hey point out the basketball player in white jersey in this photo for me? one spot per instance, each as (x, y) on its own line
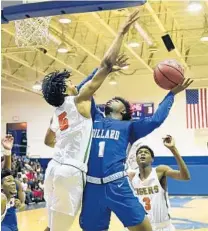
(150, 184)
(70, 134)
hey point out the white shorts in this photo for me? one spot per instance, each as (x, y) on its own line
(168, 227)
(63, 188)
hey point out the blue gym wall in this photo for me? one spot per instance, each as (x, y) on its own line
(198, 167)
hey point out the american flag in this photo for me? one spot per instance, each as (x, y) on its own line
(196, 108)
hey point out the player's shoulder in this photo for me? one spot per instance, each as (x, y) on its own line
(162, 168)
(68, 102)
(131, 173)
(69, 98)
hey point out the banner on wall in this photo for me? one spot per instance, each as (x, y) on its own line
(140, 110)
(19, 132)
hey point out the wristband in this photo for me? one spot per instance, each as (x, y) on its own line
(7, 152)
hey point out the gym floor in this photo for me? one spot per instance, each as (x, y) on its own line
(188, 213)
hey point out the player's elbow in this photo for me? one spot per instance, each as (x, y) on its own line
(48, 143)
(186, 177)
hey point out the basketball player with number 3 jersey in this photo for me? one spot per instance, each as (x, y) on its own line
(70, 134)
(150, 184)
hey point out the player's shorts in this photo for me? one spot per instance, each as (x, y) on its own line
(116, 196)
(166, 226)
(63, 188)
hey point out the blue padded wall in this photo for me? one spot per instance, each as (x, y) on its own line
(198, 167)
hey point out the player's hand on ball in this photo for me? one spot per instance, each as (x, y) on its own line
(181, 87)
(120, 63)
(7, 142)
(169, 142)
(131, 19)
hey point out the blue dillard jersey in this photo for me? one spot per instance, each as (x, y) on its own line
(112, 138)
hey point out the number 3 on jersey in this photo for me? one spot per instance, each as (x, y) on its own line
(63, 121)
(146, 200)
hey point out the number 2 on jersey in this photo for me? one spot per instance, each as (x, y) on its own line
(101, 148)
(146, 200)
(63, 121)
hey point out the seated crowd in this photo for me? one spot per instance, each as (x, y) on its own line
(31, 175)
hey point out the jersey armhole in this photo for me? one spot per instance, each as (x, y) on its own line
(86, 118)
(163, 178)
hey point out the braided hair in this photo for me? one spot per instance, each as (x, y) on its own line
(128, 114)
(54, 87)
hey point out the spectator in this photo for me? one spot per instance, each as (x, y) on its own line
(30, 176)
(37, 192)
(38, 168)
(19, 177)
(28, 193)
(41, 185)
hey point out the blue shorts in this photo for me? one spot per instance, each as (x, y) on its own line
(100, 200)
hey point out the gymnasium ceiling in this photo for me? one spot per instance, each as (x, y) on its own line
(89, 35)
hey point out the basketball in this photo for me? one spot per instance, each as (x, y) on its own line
(168, 74)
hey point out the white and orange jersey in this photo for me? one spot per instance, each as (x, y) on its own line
(152, 196)
(73, 134)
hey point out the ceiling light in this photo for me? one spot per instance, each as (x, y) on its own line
(153, 48)
(63, 48)
(204, 37)
(65, 20)
(112, 81)
(125, 67)
(194, 6)
(133, 44)
(37, 86)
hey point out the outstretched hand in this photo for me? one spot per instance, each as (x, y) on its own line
(181, 87)
(120, 63)
(7, 142)
(133, 17)
(169, 142)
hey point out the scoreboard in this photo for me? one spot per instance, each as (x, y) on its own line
(140, 110)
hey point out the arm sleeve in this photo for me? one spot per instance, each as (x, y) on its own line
(94, 109)
(143, 127)
(87, 79)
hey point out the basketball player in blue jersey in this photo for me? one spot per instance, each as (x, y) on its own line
(71, 129)
(150, 184)
(108, 187)
(9, 190)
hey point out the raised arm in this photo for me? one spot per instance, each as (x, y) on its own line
(87, 79)
(107, 62)
(50, 137)
(143, 127)
(164, 170)
(7, 142)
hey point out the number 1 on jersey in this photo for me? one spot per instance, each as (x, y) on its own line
(101, 149)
